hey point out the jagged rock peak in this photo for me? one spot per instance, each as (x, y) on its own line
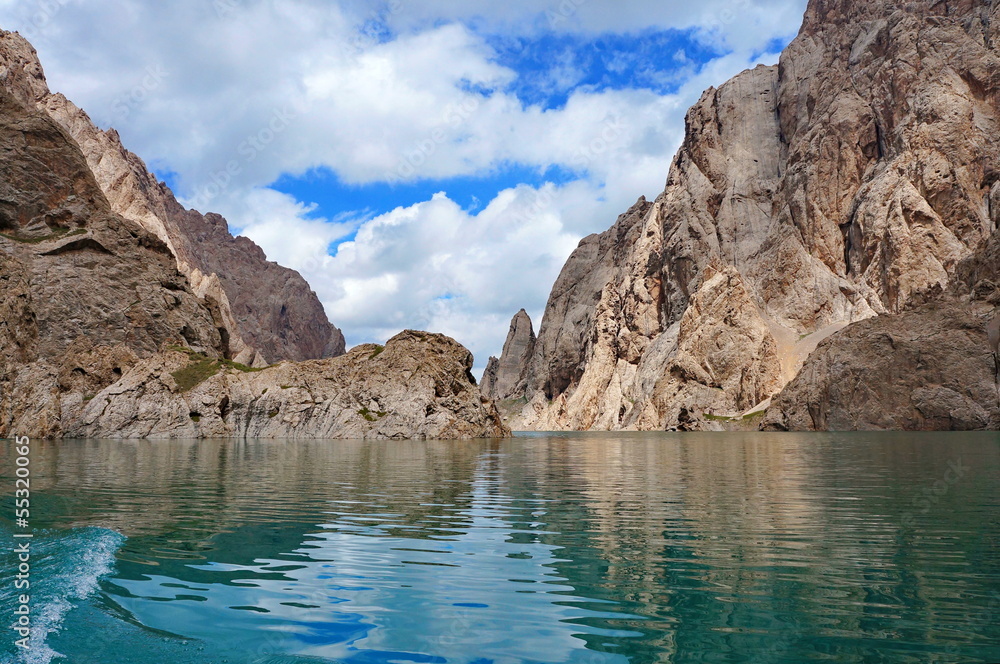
(268, 312)
(505, 377)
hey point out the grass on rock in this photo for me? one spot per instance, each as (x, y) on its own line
(201, 368)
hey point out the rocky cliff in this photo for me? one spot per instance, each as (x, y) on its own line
(834, 187)
(504, 377)
(102, 333)
(269, 313)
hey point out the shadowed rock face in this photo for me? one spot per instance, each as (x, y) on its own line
(930, 368)
(268, 312)
(83, 291)
(504, 378)
(837, 186)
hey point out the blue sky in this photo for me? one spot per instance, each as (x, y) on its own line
(549, 68)
(424, 165)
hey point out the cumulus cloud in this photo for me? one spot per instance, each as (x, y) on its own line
(434, 265)
(230, 95)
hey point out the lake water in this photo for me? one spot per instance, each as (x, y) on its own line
(584, 548)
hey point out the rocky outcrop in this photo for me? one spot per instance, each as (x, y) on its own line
(834, 187)
(929, 368)
(504, 378)
(83, 291)
(934, 366)
(268, 312)
(102, 335)
(418, 385)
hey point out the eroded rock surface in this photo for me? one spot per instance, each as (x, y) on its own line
(419, 385)
(838, 185)
(268, 312)
(83, 291)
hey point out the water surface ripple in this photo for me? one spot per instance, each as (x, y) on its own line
(583, 548)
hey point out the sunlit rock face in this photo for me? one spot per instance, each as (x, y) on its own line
(834, 187)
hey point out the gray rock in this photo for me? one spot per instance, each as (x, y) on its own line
(840, 185)
(505, 377)
(418, 386)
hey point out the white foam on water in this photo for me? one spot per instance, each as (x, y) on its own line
(78, 561)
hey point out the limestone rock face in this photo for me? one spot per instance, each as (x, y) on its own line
(269, 313)
(418, 386)
(839, 185)
(504, 378)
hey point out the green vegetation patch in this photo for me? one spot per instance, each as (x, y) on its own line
(370, 416)
(195, 373)
(241, 367)
(378, 351)
(202, 367)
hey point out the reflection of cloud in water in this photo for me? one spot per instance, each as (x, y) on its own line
(577, 548)
(359, 594)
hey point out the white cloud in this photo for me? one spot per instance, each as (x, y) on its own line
(436, 266)
(231, 94)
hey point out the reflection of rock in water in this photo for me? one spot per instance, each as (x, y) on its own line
(993, 335)
(681, 544)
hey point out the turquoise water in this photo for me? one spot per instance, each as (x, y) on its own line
(777, 548)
